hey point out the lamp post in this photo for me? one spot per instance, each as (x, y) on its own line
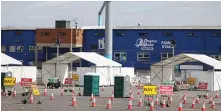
(72, 40)
(58, 42)
(173, 43)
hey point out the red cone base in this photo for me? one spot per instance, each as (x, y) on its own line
(129, 105)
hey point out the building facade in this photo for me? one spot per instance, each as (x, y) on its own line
(137, 47)
(140, 47)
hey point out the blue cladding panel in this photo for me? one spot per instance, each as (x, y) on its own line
(202, 41)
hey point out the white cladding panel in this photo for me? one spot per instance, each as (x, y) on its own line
(21, 72)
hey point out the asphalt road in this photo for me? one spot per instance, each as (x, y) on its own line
(63, 103)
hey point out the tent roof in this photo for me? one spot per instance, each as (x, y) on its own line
(181, 58)
(92, 57)
(7, 60)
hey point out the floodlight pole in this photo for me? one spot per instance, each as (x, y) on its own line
(173, 73)
(57, 63)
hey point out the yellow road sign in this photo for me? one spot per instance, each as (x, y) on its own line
(9, 81)
(36, 92)
(191, 81)
(150, 90)
(75, 77)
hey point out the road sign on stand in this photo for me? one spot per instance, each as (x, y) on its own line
(9, 81)
(166, 89)
(68, 81)
(150, 90)
(191, 81)
(203, 85)
(26, 82)
(75, 77)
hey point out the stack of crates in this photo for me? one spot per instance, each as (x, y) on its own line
(91, 84)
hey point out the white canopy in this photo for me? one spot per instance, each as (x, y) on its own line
(7, 60)
(181, 58)
(92, 57)
(162, 71)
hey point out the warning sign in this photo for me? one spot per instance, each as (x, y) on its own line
(150, 90)
(191, 81)
(202, 85)
(26, 82)
(75, 77)
(166, 89)
(68, 81)
(9, 81)
(35, 90)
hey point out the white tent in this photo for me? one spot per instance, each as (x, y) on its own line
(7, 60)
(102, 64)
(162, 71)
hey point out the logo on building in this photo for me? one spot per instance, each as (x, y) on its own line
(145, 44)
(101, 43)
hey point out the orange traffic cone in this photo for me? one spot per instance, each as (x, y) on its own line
(73, 97)
(184, 95)
(102, 89)
(73, 90)
(130, 105)
(138, 93)
(74, 102)
(79, 93)
(52, 96)
(164, 103)
(197, 100)
(92, 96)
(156, 101)
(151, 106)
(203, 106)
(170, 100)
(210, 100)
(184, 101)
(109, 104)
(62, 91)
(213, 105)
(207, 95)
(132, 97)
(112, 96)
(217, 94)
(193, 104)
(140, 102)
(180, 107)
(93, 102)
(14, 93)
(31, 99)
(45, 92)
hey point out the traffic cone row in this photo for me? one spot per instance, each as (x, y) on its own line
(207, 95)
(156, 101)
(14, 93)
(197, 100)
(112, 96)
(102, 89)
(151, 106)
(93, 102)
(210, 100)
(130, 105)
(184, 101)
(164, 103)
(74, 102)
(213, 105)
(193, 104)
(92, 96)
(180, 108)
(62, 91)
(131, 97)
(217, 94)
(203, 106)
(31, 100)
(138, 93)
(73, 90)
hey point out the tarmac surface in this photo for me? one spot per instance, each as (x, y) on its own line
(63, 103)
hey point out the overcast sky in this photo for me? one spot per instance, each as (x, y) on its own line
(43, 14)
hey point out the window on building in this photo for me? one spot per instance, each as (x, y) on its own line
(99, 34)
(143, 34)
(3, 49)
(143, 56)
(168, 34)
(164, 56)
(18, 33)
(101, 53)
(61, 34)
(191, 34)
(93, 46)
(20, 48)
(45, 33)
(120, 56)
(12, 48)
(120, 34)
(31, 48)
(217, 57)
(40, 48)
(218, 34)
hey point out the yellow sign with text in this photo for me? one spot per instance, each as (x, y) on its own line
(9, 81)
(150, 90)
(191, 81)
(75, 77)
